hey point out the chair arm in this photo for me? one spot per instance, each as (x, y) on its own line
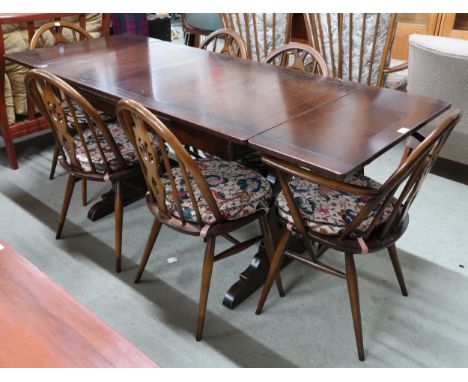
(396, 68)
(316, 178)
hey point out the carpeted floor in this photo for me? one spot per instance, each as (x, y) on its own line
(310, 327)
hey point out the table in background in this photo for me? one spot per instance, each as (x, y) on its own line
(43, 326)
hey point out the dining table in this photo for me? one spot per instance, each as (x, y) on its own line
(229, 107)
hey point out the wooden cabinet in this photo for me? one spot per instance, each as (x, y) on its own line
(412, 23)
(437, 24)
(454, 25)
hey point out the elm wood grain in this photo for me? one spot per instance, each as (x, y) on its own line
(223, 96)
(344, 135)
(43, 326)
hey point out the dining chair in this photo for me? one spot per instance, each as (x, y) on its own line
(261, 32)
(355, 217)
(206, 197)
(300, 57)
(58, 33)
(355, 46)
(225, 41)
(93, 151)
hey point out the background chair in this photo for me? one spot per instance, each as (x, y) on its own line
(357, 217)
(439, 68)
(196, 25)
(299, 57)
(225, 41)
(205, 197)
(355, 46)
(261, 32)
(94, 151)
(56, 33)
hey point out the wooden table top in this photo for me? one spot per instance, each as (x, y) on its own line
(348, 133)
(227, 97)
(43, 326)
(328, 125)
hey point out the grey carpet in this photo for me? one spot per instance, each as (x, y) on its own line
(310, 327)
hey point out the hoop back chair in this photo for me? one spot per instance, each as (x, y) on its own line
(51, 34)
(232, 43)
(261, 32)
(198, 197)
(300, 57)
(355, 46)
(357, 217)
(87, 151)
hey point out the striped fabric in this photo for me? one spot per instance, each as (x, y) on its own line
(130, 23)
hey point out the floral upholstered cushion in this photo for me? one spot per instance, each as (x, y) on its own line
(123, 143)
(81, 116)
(354, 34)
(237, 190)
(262, 33)
(328, 211)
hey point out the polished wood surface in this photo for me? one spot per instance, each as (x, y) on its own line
(350, 132)
(223, 96)
(43, 326)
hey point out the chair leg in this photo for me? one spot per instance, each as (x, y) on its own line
(274, 269)
(118, 211)
(66, 203)
(268, 243)
(205, 284)
(396, 266)
(54, 162)
(149, 247)
(84, 192)
(351, 279)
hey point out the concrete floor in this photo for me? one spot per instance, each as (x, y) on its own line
(310, 327)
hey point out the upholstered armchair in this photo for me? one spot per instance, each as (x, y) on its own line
(438, 67)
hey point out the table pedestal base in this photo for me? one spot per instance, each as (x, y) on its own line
(133, 190)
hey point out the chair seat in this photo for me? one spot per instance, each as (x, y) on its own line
(81, 116)
(238, 191)
(328, 211)
(123, 143)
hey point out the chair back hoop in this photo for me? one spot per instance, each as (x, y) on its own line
(55, 29)
(150, 137)
(60, 104)
(304, 58)
(355, 46)
(408, 178)
(262, 32)
(230, 44)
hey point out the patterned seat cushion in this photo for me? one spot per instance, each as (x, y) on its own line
(123, 143)
(328, 211)
(238, 191)
(81, 116)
